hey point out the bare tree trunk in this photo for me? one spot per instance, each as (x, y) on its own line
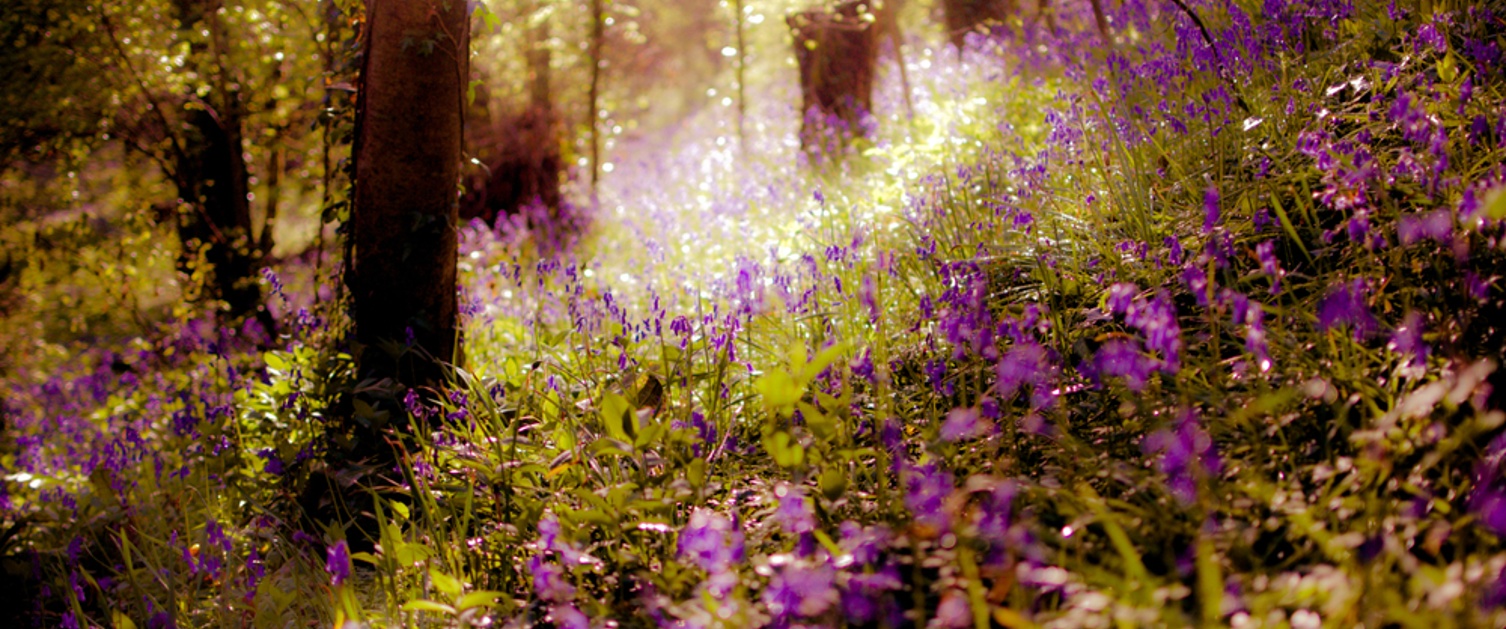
(540, 92)
(742, 78)
(407, 162)
(966, 16)
(837, 51)
(212, 178)
(598, 33)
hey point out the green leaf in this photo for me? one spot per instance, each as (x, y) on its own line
(823, 360)
(428, 606)
(445, 583)
(121, 621)
(779, 391)
(275, 363)
(616, 417)
(1494, 202)
(409, 554)
(366, 557)
(833, 482)
(783, 450)
(484, 598)
(696, 473)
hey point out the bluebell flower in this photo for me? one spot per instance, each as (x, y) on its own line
(926, 491)
(793, 513)
(549, 581)
(1437, 225)
(965, 423)
(800, 589)
(337, 563)
(1266, 252)
(713, 543)
(1211, 203)
(1186, 453)
(568, 616)
(1407, 340)
(866, 544)
(1345, 305)
(1123, 359)
(954, 612)
(868, 597)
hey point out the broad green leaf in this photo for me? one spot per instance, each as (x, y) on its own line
(484, 598)
(616, 417)
(445, 583)
(779, 391)
(428, 606)
(1494, 202)
(121, 621)
(409, 554)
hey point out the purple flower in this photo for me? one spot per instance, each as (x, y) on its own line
(551, 537)
(1407, 340)
(1478, 287)
(954, 611)
(793, 512)
(1210, 208)
(1157, 321)
(866, 544)
(337, 563)
(1269, 265)
(549, 580)
(1197, 283)
(1122, 358)
(992, 518)
(274, 462)
(568, 616)
(1437, 225)
(1488, 499)
(713, 542)
(936, 374)
(867, 597)
(1121, 297)
(801, 589)
(926, 491)
(1262, 218)
(1186, 453)
(1252, 315)
(1173, 250)
(862, 366)
(1428, 36)
(1345, 305)
(965, 423)
(868, 296)
(1020, 366)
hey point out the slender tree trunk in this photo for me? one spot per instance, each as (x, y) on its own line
(598, 33)
(212, 178)
(836, 49)
(742, 79)
(540, 92)
(407, 163)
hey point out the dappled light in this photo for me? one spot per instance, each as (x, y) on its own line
(752, 313)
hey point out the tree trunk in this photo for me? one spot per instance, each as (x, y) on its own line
(598, 35)
(837, 51)
(407, 162)
(212, 178)
(966, 16)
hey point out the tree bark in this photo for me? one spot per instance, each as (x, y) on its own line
(966, 16)
(407, 163)
(837, 51)
(212, 178)
(598, 35)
